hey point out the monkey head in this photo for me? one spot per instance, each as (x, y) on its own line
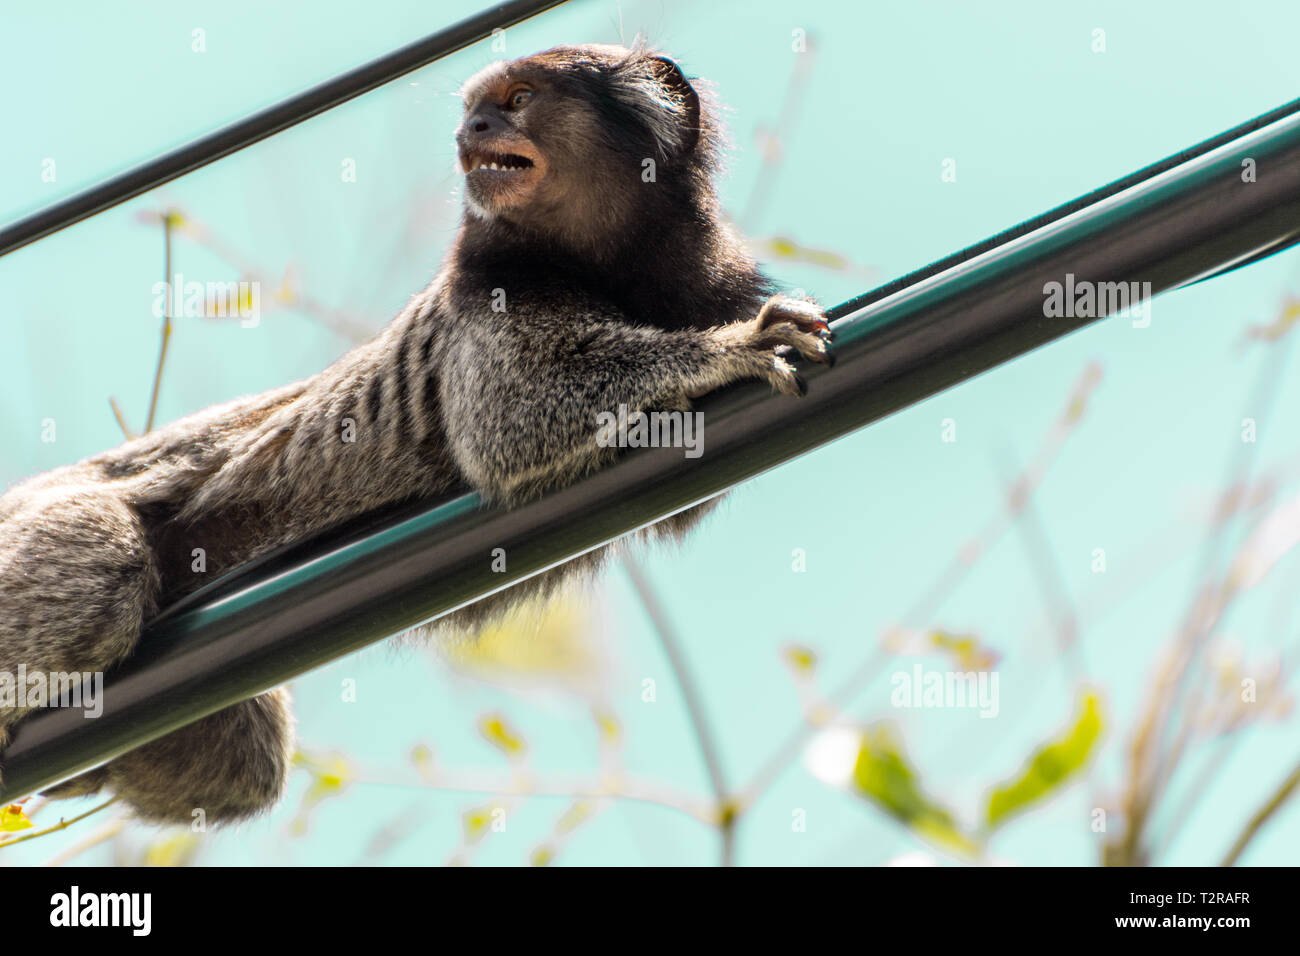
(576, 142)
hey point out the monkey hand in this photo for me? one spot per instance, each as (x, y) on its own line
(784, 326)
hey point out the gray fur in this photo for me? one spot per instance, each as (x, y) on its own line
(452, 395)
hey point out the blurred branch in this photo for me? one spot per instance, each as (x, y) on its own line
(105, 833)
(727, 815)
(1197, 789)
(1262, 815)
(1152, 763)
(340, 323)
(573, 789)
(773, 150)
(168, 218)
(924, 609)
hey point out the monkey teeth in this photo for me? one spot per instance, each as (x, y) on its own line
(500, 164)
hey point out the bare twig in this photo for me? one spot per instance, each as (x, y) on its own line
(169, 216)
(102, 835)
(1198, 787)
(577, 789)
(932, 599)
(1047, 567)
(121, 418)
(727, 815)
(1164, 730)
(335, 320)
(61, 825)
(1262, 815)
(773, 149)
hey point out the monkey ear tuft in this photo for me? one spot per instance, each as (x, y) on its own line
(655, 89)
(673, 79)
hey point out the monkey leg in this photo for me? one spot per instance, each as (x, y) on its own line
(228, 766)
(77, 581)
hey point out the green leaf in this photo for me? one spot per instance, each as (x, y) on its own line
(1050, 767)
(882, 774)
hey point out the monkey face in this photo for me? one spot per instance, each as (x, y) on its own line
(503, 167)
(559, 142)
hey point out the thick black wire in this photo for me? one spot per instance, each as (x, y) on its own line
(1074, 205)
(267, 122)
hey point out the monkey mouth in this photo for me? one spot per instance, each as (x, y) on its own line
(482, 161)
(500, 179)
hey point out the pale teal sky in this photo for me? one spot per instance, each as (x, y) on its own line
(1032, 116)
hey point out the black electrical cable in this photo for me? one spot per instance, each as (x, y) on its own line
(1074, 205)
(258, 126)
(893, 347)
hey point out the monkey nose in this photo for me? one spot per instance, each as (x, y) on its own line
(484, 123)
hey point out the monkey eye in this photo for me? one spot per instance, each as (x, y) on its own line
(519, 97)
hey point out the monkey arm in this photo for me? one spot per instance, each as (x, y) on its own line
(530, 418)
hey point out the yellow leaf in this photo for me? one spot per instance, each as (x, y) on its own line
(245, 298)
(12, 819)
(801, 659)
(542, 856)
(965, 649)
(1282, 324)
(330, 775)
(287, 293)
(782, 247)
(1048, 769)
(476, 823)
(177, 850)
(611, 731)
(422, 759)
(498, 733)
(573, 817)
(537, 641)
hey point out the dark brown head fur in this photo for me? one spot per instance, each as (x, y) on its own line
(612, 153)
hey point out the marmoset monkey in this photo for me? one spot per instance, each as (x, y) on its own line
(620, 287)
